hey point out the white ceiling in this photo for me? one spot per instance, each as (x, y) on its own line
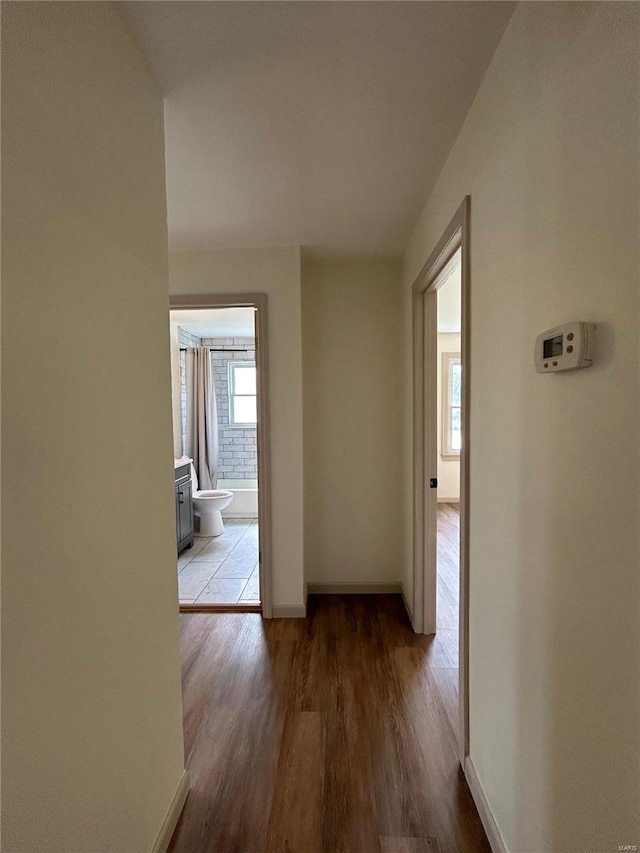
(216, 322)
(321, 124)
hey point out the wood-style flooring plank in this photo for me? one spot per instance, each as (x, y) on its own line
(329, 734)
(453, 819)
(408, 845)
(298, 800)
(446, 680)
(233, 757)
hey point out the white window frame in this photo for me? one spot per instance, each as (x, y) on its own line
(449, 359)
(231, 365)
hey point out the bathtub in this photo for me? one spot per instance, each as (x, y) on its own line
(245, 498)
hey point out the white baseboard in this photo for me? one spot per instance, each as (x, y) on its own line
(171, 818)
(288, 611)
(353, 588)
(490, 827)
(455, 500)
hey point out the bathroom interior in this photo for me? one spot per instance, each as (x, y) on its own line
(213, 371)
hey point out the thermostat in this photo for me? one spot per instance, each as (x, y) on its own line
(566, 347)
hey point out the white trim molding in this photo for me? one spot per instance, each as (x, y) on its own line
(456, 238)
(172, 816)
(496, 840)
(347, 588)
(259, 302)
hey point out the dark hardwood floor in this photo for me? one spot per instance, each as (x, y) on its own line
(329, 733)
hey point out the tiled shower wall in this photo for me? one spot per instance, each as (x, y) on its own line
(186, 340)
(237, 457)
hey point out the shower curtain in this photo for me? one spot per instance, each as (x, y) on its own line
(202, 417)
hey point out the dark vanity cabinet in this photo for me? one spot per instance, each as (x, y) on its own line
(184, 507)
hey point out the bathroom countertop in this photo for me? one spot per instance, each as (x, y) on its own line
(185, 460)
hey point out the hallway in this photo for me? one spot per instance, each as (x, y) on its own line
(329, 733)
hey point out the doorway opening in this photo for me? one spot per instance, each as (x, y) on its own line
(449, 443)
(441, 356)
(218, 366)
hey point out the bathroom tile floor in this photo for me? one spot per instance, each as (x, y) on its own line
(222, 570)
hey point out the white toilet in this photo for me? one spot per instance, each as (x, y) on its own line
(207, 506)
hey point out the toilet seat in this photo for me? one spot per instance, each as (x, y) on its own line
(212, 494)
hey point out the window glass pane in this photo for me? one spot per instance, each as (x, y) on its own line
(456, 384)
(244, 380)
(456, 428)
(244, 410)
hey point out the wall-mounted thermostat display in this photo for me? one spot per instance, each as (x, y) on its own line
(565, 348)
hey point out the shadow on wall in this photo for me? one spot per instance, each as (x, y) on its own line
(578, 581)
(585, 685)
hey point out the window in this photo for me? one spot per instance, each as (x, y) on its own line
(242, 393)
(451, 404)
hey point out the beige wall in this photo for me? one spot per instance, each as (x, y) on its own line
(351, 333)
(276, 272)
(92, 728)
(448, 469)
(549, 155)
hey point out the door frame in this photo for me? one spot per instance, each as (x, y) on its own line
(425, 382)
(258, 301)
